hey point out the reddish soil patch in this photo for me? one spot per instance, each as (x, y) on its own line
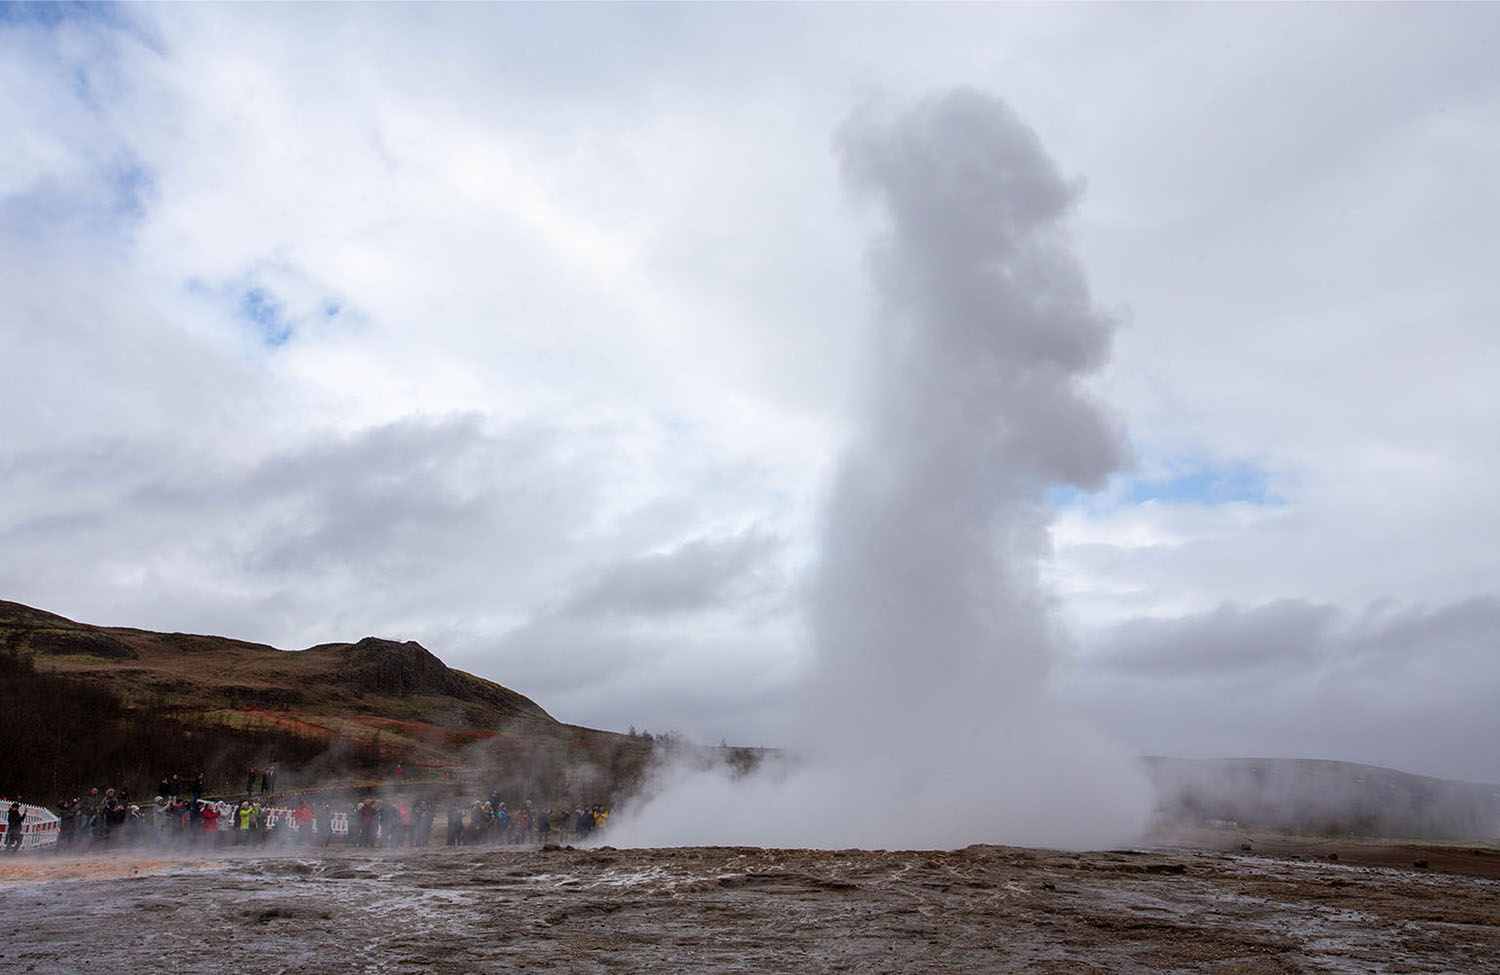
(287, 721)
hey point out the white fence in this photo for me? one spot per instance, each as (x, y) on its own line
(278, 816)
(38, 831)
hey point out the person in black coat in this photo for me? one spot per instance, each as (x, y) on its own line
(13, 821)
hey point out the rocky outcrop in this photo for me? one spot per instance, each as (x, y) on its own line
(408, 669)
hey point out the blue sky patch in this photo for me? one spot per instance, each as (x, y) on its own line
(262, 309)
(268, 315)
(133, 187)
(1212, 484)
(52, 14)
(1206, 484)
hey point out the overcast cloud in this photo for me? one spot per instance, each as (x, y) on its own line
(531, 333)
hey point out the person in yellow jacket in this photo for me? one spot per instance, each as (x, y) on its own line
(244, 821)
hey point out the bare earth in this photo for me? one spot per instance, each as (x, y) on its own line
(982, 909)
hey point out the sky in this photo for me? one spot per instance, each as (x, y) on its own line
(536, 334)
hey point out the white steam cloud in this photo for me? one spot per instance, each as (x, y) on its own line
(927, 719)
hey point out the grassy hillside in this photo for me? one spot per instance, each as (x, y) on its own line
(88, 705)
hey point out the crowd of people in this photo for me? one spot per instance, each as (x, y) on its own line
(490, 821)
(175, 818)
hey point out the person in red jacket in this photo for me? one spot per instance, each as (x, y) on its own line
(403, 832)
(303, 817)
(210, 822)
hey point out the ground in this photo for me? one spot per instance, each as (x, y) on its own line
(981, 909)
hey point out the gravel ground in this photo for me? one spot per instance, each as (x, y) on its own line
(981, 909)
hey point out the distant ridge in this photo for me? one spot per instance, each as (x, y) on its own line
(1318, 797)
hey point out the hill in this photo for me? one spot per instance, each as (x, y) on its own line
(1313, 797)
(90, 705)
(371, 676)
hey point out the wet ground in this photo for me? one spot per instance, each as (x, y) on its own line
(982, 909)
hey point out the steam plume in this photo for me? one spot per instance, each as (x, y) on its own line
(927, 719)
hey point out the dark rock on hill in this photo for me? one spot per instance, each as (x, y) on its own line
(377, 666)
(387, 667)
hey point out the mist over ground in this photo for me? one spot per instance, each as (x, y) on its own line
(927, 720)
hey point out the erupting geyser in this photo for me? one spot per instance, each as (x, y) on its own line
(927, 720)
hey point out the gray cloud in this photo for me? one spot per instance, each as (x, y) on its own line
(728, 678)
(370, 526)
(637, 641)
(700, 574)
(1277, 635)
(1403, 687)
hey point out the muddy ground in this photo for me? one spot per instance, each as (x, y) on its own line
(982, 909)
